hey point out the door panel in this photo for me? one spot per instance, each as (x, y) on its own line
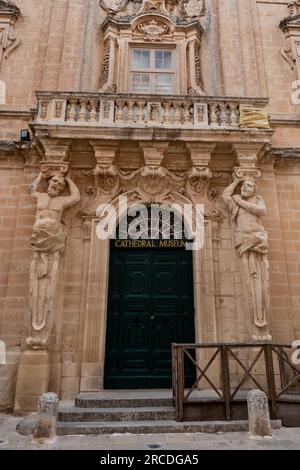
(151, 305)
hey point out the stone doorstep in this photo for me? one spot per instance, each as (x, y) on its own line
(115, 414)
(154, 427)
(27, 425)
(96, 402)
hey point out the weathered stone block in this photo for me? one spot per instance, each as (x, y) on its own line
(259, 417)
(46, 417)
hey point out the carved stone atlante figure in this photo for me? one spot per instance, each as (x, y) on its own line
(48, 241)
(251, 241)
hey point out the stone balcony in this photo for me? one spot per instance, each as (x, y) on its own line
(139, 116)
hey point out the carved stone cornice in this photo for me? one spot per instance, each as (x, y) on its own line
(285, 157)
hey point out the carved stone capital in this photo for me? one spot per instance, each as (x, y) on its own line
(106, 171)
(54, 168)
(247, 157)
(104, 153)
(56, 150)
(200, 153)
(199, 175)
(153, 156)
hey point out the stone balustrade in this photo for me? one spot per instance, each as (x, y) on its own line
(123, 110)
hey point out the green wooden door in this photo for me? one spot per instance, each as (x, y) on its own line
(151, 305)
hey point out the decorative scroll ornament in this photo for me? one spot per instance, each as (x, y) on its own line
(198, 179)
(193, 8)
(113, 6)
(8, 41)
(106, 178)
(105, 66)
(153, 30)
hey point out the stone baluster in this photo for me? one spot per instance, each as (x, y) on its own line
(141, 112)
(167, 113)
(234, 115)
(213, 108)
(93, 113)
(120, 111)
(177, 113)
(130, 114)
(82, 112)
(224, 115)
(72, 110)
(186, 113)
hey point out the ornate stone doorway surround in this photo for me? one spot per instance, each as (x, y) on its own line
(97, 276)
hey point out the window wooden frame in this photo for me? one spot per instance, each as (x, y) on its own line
(152, 70)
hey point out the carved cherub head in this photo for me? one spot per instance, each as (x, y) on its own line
(248, 189)
(56, 186)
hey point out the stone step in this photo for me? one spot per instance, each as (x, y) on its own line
(153, 427)
(75, 414)
(89, 400)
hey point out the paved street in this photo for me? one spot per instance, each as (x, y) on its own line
(284, 439)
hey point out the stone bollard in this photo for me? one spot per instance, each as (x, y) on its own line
(259, 416)
(46, 416)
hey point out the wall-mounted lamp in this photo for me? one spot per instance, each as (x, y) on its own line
(25, 135)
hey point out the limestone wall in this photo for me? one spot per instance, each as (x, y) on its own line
(61, 49)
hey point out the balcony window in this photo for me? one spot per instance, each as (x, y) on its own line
(152, 71)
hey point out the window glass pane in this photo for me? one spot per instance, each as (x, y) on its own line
(163, 59)
(141, 59)
(163, 83)
(141, 82)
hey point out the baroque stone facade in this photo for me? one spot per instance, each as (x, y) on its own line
(162, 101)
